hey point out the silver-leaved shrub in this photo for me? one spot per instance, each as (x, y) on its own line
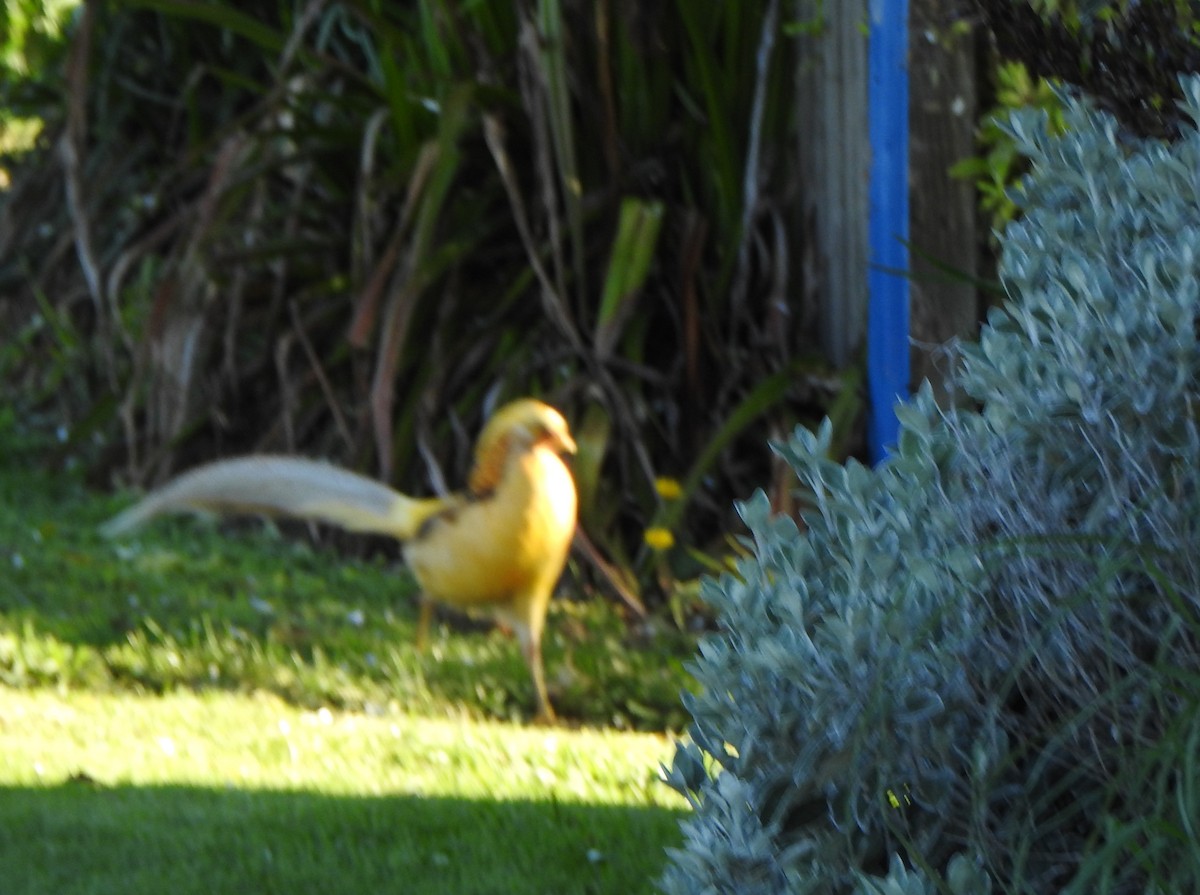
(976, 668)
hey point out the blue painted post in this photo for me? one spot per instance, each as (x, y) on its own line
(887, 308)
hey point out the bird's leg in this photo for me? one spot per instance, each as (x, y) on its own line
(424, 618)
(531, 648)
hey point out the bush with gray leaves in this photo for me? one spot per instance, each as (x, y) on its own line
(976, 668)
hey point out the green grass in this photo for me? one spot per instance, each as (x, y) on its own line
(221, 708)
(220, 792)
(195, 604)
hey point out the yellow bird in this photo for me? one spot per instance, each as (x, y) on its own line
(499, 545)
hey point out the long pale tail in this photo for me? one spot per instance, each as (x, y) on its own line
(286, 486)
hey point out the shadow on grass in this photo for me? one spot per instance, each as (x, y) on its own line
(81, 837)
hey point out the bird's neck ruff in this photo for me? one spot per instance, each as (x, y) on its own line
(497, 458)
(488, 470)
(518, 429)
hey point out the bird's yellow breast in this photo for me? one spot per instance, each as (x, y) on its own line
(508, 545)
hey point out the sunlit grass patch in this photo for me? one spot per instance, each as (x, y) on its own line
(225, 792)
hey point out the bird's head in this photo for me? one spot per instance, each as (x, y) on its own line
(520, 425)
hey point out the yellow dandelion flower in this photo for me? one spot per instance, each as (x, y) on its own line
(668, 488)
(659, 538)
(897, 799)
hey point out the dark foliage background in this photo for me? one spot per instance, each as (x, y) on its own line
(351, 228)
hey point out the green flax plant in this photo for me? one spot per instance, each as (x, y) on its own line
(350, 228)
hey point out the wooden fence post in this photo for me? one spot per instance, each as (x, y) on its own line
(943, 72)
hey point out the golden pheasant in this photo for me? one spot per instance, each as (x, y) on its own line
(499, 545)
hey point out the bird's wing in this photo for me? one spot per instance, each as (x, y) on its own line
(286, 486)
(509, 545)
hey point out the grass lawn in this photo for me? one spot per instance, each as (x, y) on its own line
(219, 792)
(213, 708)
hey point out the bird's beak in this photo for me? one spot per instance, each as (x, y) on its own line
(565, 444)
